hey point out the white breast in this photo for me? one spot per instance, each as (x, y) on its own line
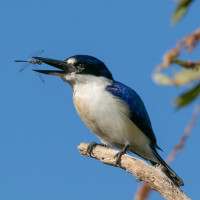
(107, 116)
(94, 105)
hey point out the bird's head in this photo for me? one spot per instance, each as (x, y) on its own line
(76, 67)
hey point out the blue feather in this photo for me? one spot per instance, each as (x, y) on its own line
(138, 115)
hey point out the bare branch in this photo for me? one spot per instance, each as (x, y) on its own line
(141, 170)
(144, 190)
(185, 135)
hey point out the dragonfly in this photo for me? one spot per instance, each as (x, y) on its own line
(32, 61)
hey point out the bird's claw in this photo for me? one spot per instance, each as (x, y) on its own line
(120, 154)
(118, 158)
(92, 145)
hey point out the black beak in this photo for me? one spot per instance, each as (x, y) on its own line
(62, 65)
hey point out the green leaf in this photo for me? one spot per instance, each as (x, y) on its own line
(180, 11)
(187, 97)
(187, 64)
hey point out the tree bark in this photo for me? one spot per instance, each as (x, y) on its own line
(154, 176)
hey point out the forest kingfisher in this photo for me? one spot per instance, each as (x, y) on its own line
(112, 111)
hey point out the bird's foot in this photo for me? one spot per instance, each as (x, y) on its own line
(92, 145)
(120, 154)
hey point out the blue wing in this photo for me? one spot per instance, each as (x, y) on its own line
(139, 115)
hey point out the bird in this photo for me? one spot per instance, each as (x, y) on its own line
(114, 112)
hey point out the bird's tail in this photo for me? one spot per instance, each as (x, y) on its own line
(168, 171)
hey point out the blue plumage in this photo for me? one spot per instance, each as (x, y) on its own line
(138, 113)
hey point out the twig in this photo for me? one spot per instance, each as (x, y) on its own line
(188, 43)
(144, 190)
(140, 169)
(185, 135)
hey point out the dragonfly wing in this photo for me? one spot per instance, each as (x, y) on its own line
(24, 66)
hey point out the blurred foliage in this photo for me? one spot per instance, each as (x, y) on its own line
(187, 97)
(187, 64)
(181, 10)
(180, 78)
(189, 72)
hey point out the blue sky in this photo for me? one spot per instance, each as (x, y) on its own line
(40, 130)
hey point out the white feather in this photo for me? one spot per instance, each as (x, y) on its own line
(71, 61)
